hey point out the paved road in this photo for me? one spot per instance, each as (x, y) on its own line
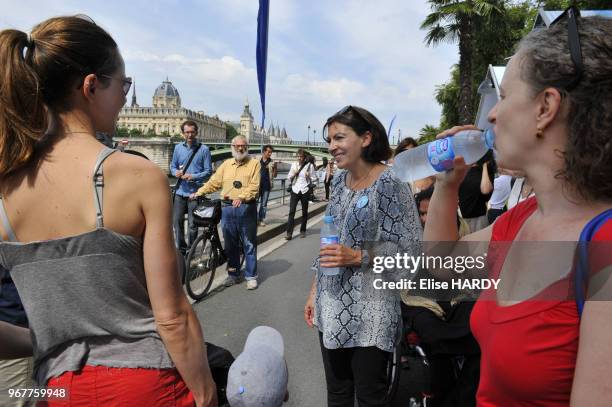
(285, 277)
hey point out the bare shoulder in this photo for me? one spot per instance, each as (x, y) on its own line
(135, 171)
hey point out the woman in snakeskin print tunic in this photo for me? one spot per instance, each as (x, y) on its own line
(375, 215)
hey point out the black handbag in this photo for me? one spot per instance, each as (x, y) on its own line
(207, 212)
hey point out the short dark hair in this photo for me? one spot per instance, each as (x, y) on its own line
(408, 141)
(424, 195)
(362, 121)
(189, 123)
(267, 146)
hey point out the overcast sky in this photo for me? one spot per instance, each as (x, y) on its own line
(322, 55)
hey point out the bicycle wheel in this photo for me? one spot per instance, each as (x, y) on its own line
(201, 265)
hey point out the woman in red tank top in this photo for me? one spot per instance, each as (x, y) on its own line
(553, 123)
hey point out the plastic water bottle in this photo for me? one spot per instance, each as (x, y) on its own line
(437, 156)
(329, 235)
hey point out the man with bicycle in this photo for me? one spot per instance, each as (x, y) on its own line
(238, 179)
(191, 165)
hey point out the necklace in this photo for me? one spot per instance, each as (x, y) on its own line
(358, 184)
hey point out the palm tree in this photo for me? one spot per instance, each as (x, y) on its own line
(452, 21)
(428, 133)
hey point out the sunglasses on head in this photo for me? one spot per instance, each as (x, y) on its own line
(572, 13)
(352, 108)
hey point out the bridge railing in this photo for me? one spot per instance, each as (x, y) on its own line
(276, 193)
(285, 142)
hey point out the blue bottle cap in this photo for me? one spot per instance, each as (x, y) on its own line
(328, 219)
(490, 138)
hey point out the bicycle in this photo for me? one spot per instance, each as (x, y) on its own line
(206, 252)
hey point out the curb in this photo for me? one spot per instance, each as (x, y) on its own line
(274, 231)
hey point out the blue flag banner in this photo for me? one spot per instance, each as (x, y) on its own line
(391, 126)
(262, 53)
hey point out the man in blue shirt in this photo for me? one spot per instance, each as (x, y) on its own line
(190, 178)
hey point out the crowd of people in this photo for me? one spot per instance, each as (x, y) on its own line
(91, 298)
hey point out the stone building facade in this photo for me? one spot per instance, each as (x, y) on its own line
(167, 114)
(256, 134)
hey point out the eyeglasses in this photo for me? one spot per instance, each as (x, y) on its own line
(127, 82)
(572, 14)
(240, 145)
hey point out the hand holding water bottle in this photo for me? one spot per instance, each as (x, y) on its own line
(439, 155)
(455, 176)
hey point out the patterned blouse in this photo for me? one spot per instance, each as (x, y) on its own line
(382, 218)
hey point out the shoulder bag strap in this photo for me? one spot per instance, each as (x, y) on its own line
(297, 174)
(581, 275)
(180, 180)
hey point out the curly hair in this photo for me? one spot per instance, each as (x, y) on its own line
(547, 63)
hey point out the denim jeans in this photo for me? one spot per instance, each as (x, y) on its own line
(241, 223)
(263, 204)
(181, 205)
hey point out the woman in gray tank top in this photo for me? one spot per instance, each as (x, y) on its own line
(87, 235)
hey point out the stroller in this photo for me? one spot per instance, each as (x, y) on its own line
(440, 364)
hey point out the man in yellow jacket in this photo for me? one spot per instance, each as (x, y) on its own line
(238, 180)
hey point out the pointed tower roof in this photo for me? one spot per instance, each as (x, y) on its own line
(134, 103)
(247, 111)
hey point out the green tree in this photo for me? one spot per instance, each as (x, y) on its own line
(494, 40)
(582, 4)
(428, 133)
(150, 132)
(135, 133)
(122, 132)
(230, 131)
(454, 21)
(447, 96)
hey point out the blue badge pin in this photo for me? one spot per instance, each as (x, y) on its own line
(362, 202)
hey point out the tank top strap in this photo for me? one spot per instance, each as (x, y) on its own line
(98, 178)
(5, 222)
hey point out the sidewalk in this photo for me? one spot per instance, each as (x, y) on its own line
(276, 218)
(276, 224)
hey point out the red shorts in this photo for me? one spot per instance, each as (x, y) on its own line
(111, 386)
